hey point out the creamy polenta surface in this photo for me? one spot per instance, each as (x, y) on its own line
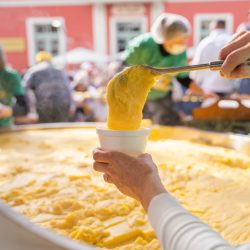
(47, 176)
(126, 95)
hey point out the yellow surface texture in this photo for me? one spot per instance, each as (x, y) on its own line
(126, 95)
(48, 177)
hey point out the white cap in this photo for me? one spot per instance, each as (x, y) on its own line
(169, 26)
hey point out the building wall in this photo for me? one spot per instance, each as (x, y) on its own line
(237, 8)
(88, 25)
(78, 27)
(146, 14)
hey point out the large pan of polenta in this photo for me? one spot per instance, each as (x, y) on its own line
(51, 198)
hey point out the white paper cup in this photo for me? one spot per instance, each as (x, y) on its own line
(131, 142)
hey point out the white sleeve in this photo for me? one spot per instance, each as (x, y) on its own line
(197, 59)
(177, 229)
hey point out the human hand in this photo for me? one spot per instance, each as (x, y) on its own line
(136, 177)
(208, 95)
(196, 90)
(30, 118)
(5, 111)
(234, 55)
(163, 83)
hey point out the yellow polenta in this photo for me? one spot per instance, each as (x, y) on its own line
(126, 96)
(48, 177)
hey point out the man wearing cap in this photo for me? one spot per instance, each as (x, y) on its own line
(164, 46)
(48, 90)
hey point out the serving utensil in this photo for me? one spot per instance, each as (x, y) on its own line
(213, 66)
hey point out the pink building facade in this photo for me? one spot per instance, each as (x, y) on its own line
(104, 26)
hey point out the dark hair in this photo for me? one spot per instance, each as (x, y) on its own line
(220, 24)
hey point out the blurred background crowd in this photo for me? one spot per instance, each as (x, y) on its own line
(51, 90)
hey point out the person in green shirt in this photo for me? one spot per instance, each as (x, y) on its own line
(12, 95)
(164, 46)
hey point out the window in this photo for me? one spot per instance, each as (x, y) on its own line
(122, 31)
(203, 21)
(45, 34)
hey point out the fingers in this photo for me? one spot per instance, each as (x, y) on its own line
(102, 155)
(237, 35)
(234, 59)
(107, 178)
(105, 156)
(100, 167)
(145, 156)
(240, 41)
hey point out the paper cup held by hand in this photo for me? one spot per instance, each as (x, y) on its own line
(132, 142)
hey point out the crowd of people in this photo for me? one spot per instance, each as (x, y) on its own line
(46, 94)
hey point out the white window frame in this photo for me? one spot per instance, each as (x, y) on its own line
(198, 18)
(99, 15)
(115, 19)
(30, 22)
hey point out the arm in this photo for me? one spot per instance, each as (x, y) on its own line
(20, 107)
(31, 116)
(5, 111)
(185, 80)
(193, 88)
(24, 112)
(176, 228)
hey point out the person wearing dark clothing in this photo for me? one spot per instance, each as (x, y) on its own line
(49, 92)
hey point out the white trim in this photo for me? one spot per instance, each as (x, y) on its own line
(24, 3)
(30, 39)
(100, 28)
(136, 9)
(30, 35)
(28, 3)
(228, 17)
(115, 19)
(157, 8)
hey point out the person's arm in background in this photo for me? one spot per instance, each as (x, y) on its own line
(5, 111)
(235, 54)
(31, 115)
(176, 228)
(20, 107)
(186, 81)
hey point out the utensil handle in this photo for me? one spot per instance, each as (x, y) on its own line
(216, 65)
